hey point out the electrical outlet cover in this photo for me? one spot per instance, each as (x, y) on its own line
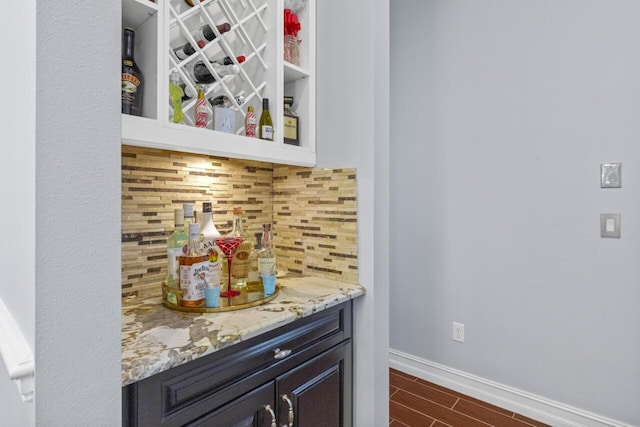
(458, 332)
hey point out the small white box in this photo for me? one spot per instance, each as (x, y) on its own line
(224, 119)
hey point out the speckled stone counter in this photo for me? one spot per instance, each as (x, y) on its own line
(156, 338)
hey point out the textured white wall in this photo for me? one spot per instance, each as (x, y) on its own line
(17, 187)
(353, 131)
(78, 214)
(502, 113)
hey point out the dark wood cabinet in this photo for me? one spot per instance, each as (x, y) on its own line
(302, 371)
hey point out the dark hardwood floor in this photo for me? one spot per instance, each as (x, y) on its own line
(415, 402)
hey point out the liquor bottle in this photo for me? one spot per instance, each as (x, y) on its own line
(253, 275)
(209, 233)
(177, 94)
(200, 110)
(194, 271)
(290, 123)
(204, 33)
(132, 80)
(250, 122)
(177, 245)
(266, 124)
(188, 216)
(240, 262)
(267, 256)
(201, 73)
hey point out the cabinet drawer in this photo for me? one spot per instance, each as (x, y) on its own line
(198, 387)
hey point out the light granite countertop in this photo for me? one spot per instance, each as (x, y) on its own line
(156, 338)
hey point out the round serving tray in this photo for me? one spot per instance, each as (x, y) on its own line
(250, 296)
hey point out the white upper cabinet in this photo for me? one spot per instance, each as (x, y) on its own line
(248, 35)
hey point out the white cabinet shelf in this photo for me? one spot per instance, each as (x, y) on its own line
(256, 33)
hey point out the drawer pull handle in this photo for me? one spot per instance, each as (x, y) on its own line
(280, 354)
(273, 415)
(291, 416)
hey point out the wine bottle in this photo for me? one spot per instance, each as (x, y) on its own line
(132, 79)
(204, 33)
(201, 73)
(194, 271)
(266, 124)
(201, 113)
(250, 122)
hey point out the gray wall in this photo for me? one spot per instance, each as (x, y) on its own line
(78, 326)
(17, 165)
(502, 112)
(353, 131)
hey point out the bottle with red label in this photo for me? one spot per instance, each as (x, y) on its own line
(250, 122)
(201, 111)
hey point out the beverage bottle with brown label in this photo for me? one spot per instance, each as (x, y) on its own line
(131, 77)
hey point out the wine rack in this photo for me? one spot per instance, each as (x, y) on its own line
(255, 33)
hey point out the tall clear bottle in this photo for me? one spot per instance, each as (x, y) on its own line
(267, 256)
(194, 271)
(253, 275)
(177, 245)
(240, 263)
(188, 216)
(209, 233)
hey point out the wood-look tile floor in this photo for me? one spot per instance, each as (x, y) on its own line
(415, 402)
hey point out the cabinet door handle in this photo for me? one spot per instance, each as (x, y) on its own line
(280, 354)
(291, 415)
(273, 415)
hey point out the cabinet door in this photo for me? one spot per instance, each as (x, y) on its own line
(318, 392)
(246, 411)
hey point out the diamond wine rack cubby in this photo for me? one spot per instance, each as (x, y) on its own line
(249, 35)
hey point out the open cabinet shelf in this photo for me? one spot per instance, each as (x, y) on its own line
(255, 32)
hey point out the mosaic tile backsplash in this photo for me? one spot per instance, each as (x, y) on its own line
(313, 211)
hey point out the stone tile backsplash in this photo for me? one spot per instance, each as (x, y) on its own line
(313, 211)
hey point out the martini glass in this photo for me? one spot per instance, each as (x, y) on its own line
(228, 245)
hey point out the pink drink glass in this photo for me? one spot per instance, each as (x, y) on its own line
(228, 245)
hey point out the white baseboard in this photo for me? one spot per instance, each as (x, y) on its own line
(16, 354)
(521, 402)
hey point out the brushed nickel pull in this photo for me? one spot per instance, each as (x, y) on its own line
(273, 415)
(280, 354)
(291, 415)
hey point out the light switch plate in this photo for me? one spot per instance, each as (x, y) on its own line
(611, 175)
(610, 225)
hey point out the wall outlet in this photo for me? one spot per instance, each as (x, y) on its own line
(458, 332)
